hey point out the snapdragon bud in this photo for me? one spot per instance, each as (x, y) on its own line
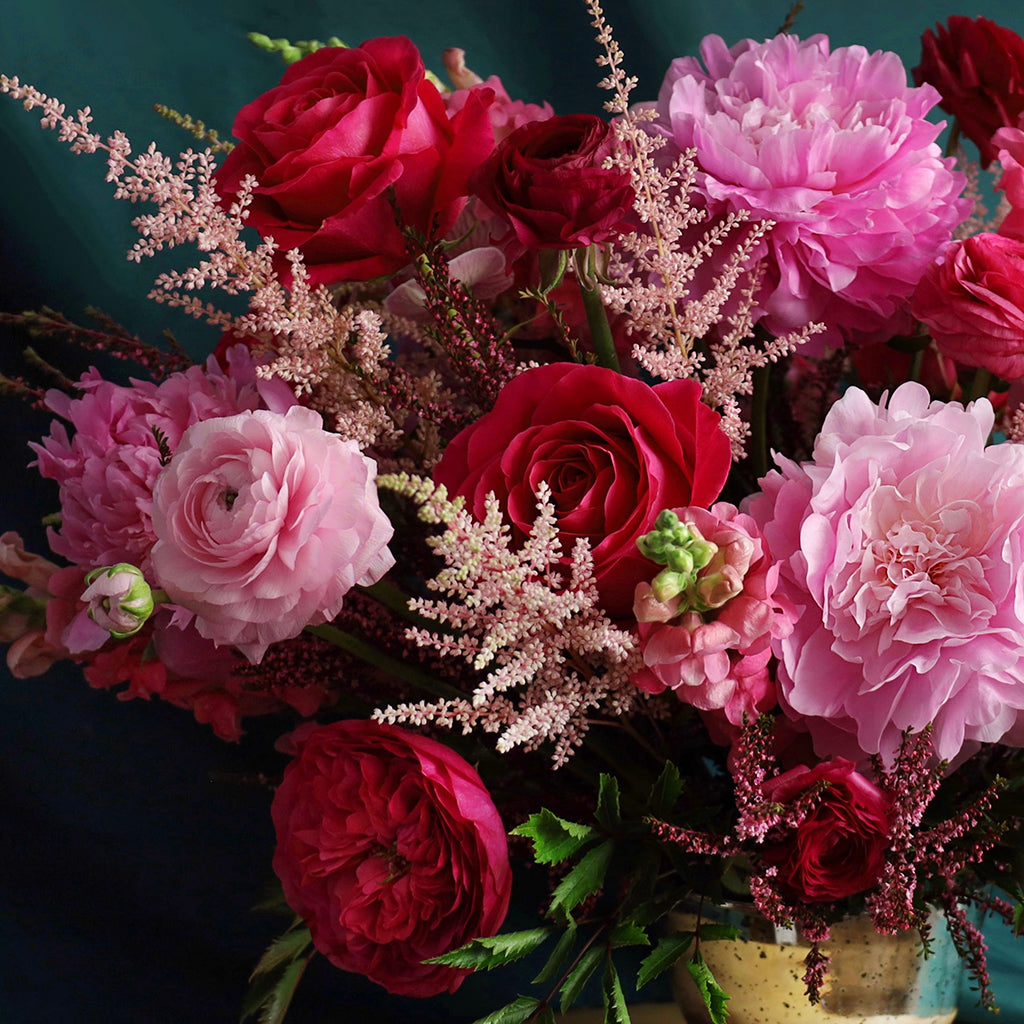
(119, 599)
(684, 552)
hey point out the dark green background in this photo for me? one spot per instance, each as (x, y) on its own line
(125, 872)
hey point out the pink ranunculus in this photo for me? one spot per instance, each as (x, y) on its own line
(901, 545)
(839, 849)
(349, 137)
(122, 434)
(972, 302)
(1009, 143)
(391, 849)
(613, 450)
(263, 523)
(711, 645)
(834, 148)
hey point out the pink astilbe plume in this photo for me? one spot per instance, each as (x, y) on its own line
(529, 625)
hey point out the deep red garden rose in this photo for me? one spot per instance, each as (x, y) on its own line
(978, 67)
(839, 848)
(972, 302)
(546, 180)
(390, 848)
(613, 450)
(345, 130)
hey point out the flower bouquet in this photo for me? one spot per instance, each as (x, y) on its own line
(637, 497)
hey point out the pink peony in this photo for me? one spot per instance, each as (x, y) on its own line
(264, 522)
(901, 544)
(709, 642)
(972, 302)
(106, 470)
(834, 148)
(391, 849)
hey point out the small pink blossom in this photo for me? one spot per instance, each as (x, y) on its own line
(901, 544)
(833, 147)
(263, 523)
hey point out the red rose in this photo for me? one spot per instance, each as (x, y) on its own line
(972, 303)
(344, 131)
(978, 68)
(839, 848)
(390, 848)
(613, 450)
(546, 180)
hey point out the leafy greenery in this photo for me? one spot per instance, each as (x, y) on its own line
(275, 978)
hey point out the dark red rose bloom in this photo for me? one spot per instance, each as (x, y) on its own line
(978, 68)
(546, 181)
(613, 450)
(972, 303)
(345, 129)
(390, 848)
(839, 848)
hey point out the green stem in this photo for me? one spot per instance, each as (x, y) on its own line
(600, 329)
(378, 659)
(980, 386)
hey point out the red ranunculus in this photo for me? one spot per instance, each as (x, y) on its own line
(972, 303)
(613, 450)
(546, 180)
(839, 848)
(345, 131)
(390, 848)
(978, 67)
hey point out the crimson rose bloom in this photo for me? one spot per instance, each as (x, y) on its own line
(613, 450)
(972, 302)
(547, 181)
(839, 848)
(344, 131)
(978, 67)
(390, 848)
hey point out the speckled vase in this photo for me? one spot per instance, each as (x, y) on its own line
(872, 979)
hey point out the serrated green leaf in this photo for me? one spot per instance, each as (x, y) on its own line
(608, 815)
(711, 930)
(628, 933)
(664, 955)
(513, 1013)
(271, 994)
(615, 1009)
(585, 878)
(554, 838)
(493, 951)
(559, 956)
(666, 791)
(580, 975)
(282, 950)
(714, 997)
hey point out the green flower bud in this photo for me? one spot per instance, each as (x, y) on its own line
(119, 599)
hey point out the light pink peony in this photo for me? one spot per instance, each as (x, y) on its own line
(710, 644)
(264, 522)
(106, 470)
(835, 149)
(901, 544)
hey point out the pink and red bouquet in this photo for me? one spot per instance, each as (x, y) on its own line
(476, 496)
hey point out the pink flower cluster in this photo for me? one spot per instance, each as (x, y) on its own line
(901, 545)
(833, 147)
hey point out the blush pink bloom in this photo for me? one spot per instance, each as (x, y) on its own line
(716, 658)
(263, 523)
(1010, 147)
(834, 148)
(972, 302)
(107, 468)
(901, 544)
(391, 849)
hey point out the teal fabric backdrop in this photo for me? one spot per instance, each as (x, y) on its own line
(128, 861)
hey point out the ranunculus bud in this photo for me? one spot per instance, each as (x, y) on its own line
(118, 598)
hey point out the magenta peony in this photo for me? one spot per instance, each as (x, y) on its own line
(710, 642)
(391, 849)
(972, 302)
(839, 848)
(106, 470)
(263, 523)
(901, 544)
(834, 148)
